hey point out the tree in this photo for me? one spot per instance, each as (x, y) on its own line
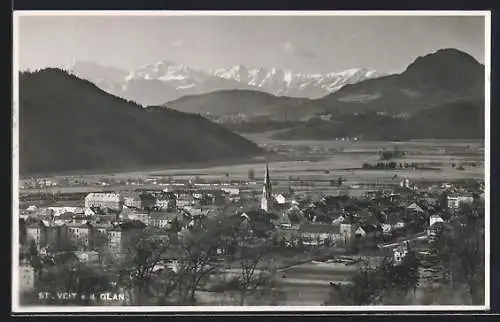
(256, 272)
(142, 267)
(196, 254)
(460, 249)
(382, 285)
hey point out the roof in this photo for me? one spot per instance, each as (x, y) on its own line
(77, 225)
(415, 207)
(368, 228)
(372, 220)
(163, 215)
(319, 228)
(67, 215)
(48, 223)
(101, 225)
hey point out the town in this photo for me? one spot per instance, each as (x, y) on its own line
(247, 242)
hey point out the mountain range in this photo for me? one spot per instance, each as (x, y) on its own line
(439, 95)
(67, 124)
(442, 77)
(165, 81)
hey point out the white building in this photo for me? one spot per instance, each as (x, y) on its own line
(435, 219)
(57, 211)
(455, 201)
(104, 200)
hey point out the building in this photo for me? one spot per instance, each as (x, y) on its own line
(400, 252)
(34, 233)
(366, 231)
(319, 234)
(133, 201)
(26, 278)
(435, 219)
(266, 199)
(122, 236)
(99, 234)
(415, 208)
(52, 232)
(78, 235)
(162, 220)
(57, 211)
(165, 204)
(454, 201)
(134, 214)
(104, 200)
(280, 199)
(347, 230)
(87, 256)
(231, 191)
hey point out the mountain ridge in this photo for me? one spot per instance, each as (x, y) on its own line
(164, 81)
(67, 123)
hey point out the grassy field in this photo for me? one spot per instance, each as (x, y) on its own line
(312, 165)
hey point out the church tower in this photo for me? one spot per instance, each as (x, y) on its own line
(265, 201)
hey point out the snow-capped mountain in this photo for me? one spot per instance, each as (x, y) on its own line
(288, 83)
(165, 81)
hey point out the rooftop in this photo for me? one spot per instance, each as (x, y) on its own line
(319, 228)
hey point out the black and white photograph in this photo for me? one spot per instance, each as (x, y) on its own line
(177, 161)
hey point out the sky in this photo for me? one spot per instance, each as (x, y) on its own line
(298, 43)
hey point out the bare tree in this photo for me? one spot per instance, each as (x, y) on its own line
(197, 258)
(143, 266)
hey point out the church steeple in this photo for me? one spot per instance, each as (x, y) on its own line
(266, 191)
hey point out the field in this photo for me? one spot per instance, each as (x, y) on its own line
(312, 165)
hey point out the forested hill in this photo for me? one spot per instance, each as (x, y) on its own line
(67, 123)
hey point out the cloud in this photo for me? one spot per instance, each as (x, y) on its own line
(295, 50)
(178, 43)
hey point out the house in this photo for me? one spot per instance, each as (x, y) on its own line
(57, 211)
(134, 214)
(162, 220)
(366, 231)
(87, 256)
(132, 200)
(34, 233)
(70, 217)
(287, 235)
(455, 200)
(284, 221)
(280, 199)
(231, 191)
(319, 234)
(78, 235)
(90, 212)
(122, 236)
(347, 229)
(99, 234)
(165, 204)
(400, 252)
(52, 232)
(415, 208)
(435, 219)
(395, 220)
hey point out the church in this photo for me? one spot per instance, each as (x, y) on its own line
(267, 197)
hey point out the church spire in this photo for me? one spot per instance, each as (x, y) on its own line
(266, 191)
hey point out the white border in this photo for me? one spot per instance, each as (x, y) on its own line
(16, 308)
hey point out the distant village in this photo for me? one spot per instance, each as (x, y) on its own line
(386, 221)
